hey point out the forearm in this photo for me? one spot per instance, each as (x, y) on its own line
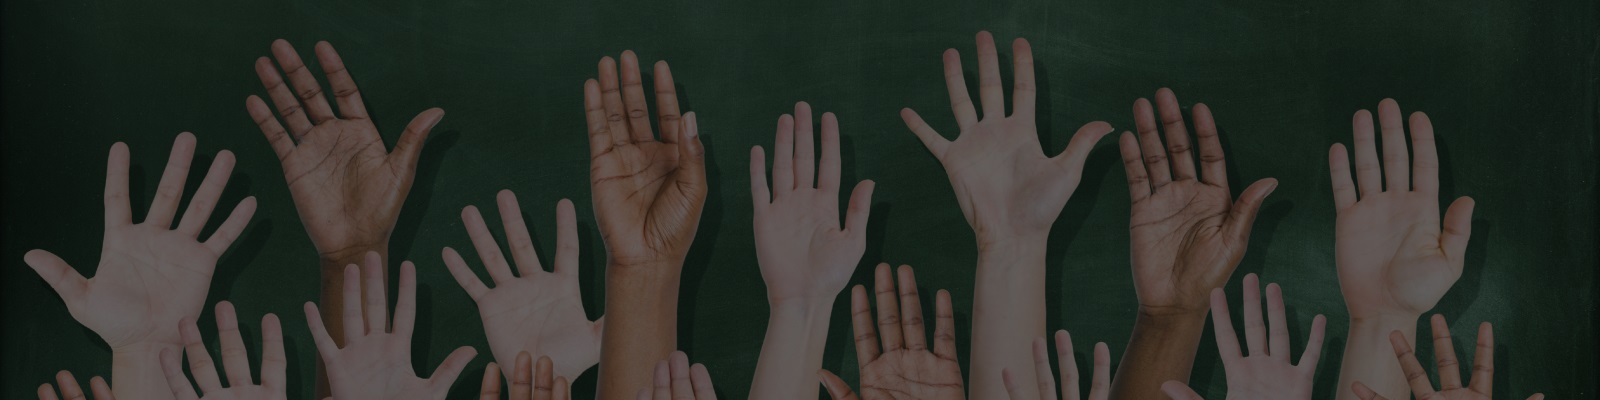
(791, 354)
(641, 327)
(1369, 357)
(1162, 348)
(1008, 313)
(136, 371)
(331, 300)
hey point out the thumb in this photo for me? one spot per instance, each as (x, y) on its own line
(860, 208)
(1457, 229)
(1243, 215)
(1078, 148)
(68, 284)
(837, 389)
(1179, 391)
(446, 374)
(691, 157)
(1365, 393)
(409, 148)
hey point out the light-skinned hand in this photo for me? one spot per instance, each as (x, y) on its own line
(894, 359)
(71, 390)
(237, 364)
(1450, 385)
(529, 381)
(1100, 384)
(1265, 373)
(535, 311)
(675, 379)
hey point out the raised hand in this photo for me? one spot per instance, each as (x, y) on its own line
(1393, 260)
(1450, 386)
(347, 187)
(1188, 235)
(806, 256)
(536, 312)
(529, 381)
(902, 367)
(71, 390)
(1100, 386)
(375, 362)
(1010, 193)
(240, 386)
(1266, 372)
(675, 379)
(648, 194)
(150, 276)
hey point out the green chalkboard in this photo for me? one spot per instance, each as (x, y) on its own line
(1510, 85)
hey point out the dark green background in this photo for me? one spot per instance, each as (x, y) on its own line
(1510, 86)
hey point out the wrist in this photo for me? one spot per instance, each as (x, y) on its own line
(1170, 318)
(799, 309)
(1393, 320)
(146, 349)
(336, 260)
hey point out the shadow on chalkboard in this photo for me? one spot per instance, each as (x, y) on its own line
(422, 329)
(702, 251)
(296, 386)
(421, 196)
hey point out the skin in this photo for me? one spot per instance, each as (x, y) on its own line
(375, 361)
(535, 311)
(1010, 193)
(806, 256)
(894, 359)
(234, 360)
(71, 390)
(1100, 386)
(529, 381)
(1450, 385)
(1394, 261)
(347, 187)
(150, 276)
(1188, 235)
(1266, 372)
(675, 379)
(648, 195)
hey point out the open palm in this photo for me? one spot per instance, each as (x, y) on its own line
(538, 312)
(1188, 233)
(1391, 255)
(902, 367)
(240, 385)
(1005, 184)
(347, 187)
(150, 276)
(1265, 373)
(803, 251)
(1451, 386)
(375, 362)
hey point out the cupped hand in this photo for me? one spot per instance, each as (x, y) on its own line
(1007, 187)
(1450, 385)
(648, 191)
(537, 312)
(804, 252)
(1188, 232)
(240, 386)
(1392, 257)
(151, 276)
(375, 362)
(894, 359)
(1099, 387)
(72, 391)
(1265, 373)
(347, 187)
(529, 381)
(675, 379)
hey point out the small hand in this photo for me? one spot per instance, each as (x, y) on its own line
(1391, 255)
(71, 390)
(675, 379)
(151, 276)
(1266, 372)
(375, 362)
(1099, 388)
(803, 251)
(240, 387)
(1188, 233)
(346, 186)
(1449, 372)
(529, 381)
(902, 367)
(537, 312)
(648, 194)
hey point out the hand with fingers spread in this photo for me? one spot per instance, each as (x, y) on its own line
(1188, 235)
(240, 386)
(72, 391)
(1010, 193)
(903, 367)
(529, 381)
(1450, 386)
(806, 256)
(1266, 372)
(536, 312)
(150, 276)
(375, 362)
(1100, 386)
(648, 194)
(675, 379)
(1394, 262)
